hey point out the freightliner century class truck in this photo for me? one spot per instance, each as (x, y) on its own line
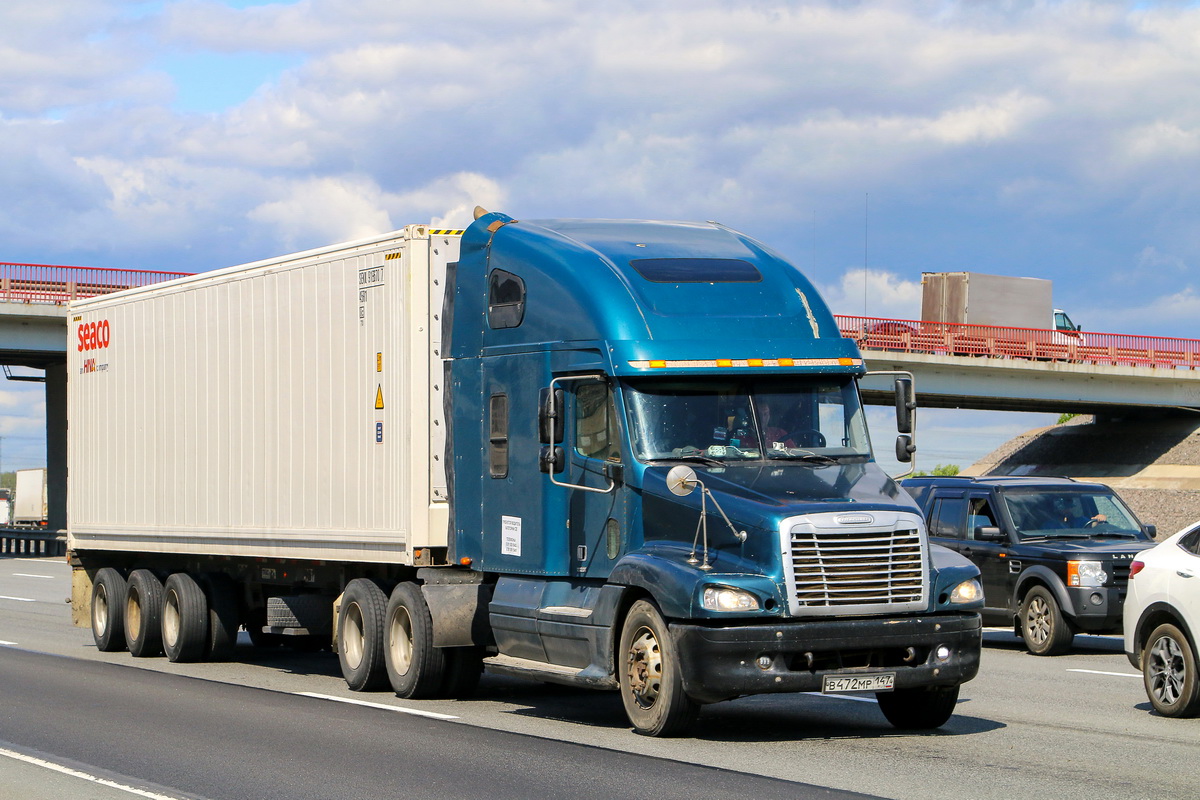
(619, 455)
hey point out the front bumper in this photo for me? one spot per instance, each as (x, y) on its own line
(720, 663)
(1097, 610)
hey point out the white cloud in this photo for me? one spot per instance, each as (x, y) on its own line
(884, 294)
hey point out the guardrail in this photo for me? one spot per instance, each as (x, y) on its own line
(1031, 344)
(58, 285)
(15, 542)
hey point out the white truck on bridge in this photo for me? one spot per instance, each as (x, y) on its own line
(973, 298)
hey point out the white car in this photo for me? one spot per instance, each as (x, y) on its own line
(1162, 618)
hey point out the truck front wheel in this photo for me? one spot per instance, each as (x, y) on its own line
(648, 671)
(1045, 630)
(414, 666)
(360, 635)
(108, 617)
(919, 708)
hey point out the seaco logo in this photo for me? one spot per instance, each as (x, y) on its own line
(93, 335)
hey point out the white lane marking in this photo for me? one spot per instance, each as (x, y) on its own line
(1101, 672)
(843, 697)
(385, 707)
(7, 644)
(74, 773)
(18, 599)
(30, 575)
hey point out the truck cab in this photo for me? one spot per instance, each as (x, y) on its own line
(1054, 553)
(593, 360)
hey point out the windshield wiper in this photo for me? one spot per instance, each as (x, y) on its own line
(695, 460)
(808, 458)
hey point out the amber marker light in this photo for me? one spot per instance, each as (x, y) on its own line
(658, 364)
(724, 362)
(465, 561)
(787, 362)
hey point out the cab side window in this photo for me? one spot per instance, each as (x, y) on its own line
(946, 518)
(980, 515)
(595, 422)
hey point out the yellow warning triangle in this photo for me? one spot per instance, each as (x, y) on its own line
(379, 396)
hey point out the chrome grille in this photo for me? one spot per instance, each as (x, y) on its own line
(835, 568)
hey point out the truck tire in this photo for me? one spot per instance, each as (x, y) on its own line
(649, 674)
(1045, 631)
(108, 615)
(184, 619)
(223, 623)
(1169, 673)
(920, 708)
(143, 614)
(415, 667)
(464, 668)
(360, 635)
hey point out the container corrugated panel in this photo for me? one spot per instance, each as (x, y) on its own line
(279, 409)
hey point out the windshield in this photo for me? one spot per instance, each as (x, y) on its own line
(1042, 513)
(772, 418)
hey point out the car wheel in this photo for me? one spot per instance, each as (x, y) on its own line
(1045, 630)
(1169, 673)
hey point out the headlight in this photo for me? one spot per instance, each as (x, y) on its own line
(967, 592)
(724, 598)
(1085, 573)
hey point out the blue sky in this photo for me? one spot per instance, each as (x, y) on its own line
(1052, 139)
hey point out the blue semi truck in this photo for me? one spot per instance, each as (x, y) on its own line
(622, 455)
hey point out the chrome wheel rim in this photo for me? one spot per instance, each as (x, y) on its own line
(1166, 670)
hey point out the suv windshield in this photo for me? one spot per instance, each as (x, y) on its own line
(815, 420)
(1042, 513)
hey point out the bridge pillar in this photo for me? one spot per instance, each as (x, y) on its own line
(56, 446)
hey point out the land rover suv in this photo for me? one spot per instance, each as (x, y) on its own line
(1054, 553)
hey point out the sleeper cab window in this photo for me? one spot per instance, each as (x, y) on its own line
(506, 299)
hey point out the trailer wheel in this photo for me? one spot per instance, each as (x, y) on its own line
(184, 619)
(464, 668)
(143, 614)
(360, 635)
(651, 681)
(222, 615)
(919, 708)
(414, 666)
(108, 617)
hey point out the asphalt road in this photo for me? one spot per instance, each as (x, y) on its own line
(1072, 726)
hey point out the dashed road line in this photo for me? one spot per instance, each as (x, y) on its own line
(74, 773)
(18, 599)
(1102, 672)
(385, 707)
(31, 575)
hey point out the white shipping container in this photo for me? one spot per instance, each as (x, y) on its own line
(29, 497)
(287, 408)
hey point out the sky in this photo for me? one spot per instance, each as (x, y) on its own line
(866, 141)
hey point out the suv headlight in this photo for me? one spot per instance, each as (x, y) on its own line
(966, 592)
(726, 598)
(1086, 573)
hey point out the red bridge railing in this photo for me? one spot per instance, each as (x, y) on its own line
(49, 283)
(1034, 344)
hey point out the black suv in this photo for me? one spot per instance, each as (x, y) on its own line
(1054, 553)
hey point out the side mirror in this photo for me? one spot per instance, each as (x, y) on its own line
(550, 416)
(1151, 531)
(989, 533)
(552, 460)
(681, 480)
(906, 404)
(904, 448)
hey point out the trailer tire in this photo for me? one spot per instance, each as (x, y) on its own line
(650, 678)
(360, 635)
(184, 619)
(143, 614)
(223, 621)
(108, 611)
(464, 668)
(918, 708)
(415, 668)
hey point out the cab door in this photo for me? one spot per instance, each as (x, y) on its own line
(990, 555)
(597, 514)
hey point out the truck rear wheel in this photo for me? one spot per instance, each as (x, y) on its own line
(649, 674)
(414, 666)
(108, 616)
(143, 614)
(222, 615)
(360, 635)
(184, 619)
(1043, 627)
(920, 708)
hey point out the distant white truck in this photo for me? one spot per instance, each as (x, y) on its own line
(973, 298)
(29, 501)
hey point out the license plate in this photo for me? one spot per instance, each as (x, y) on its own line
(878, 682)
